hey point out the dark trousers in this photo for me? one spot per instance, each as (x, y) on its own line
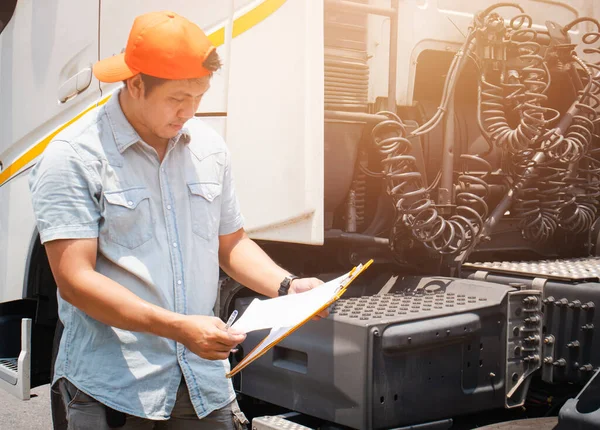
(86, 413)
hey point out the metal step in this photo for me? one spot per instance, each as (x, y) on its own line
(279, 422)
(9, 370)
(528, 424)
(15, 372)
(575, 269)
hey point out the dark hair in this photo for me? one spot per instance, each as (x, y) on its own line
(212, 63)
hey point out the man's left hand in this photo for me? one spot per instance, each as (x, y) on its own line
(304, 284)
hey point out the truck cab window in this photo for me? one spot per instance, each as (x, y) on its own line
(7, 8)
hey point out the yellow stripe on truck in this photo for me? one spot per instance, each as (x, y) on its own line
(217, 37)
(256, 15)
(39, 147)
(247, 21)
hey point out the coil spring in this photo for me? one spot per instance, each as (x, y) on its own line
(540, 206)
(415, 209)
(577, 216)
(513, 89)
(572, 146)
(359, 185)
(527, 95)
(590, 172)
(577, 212)
(563, 196)
(585, 213)
(580, 211)
(473, 201)
(591, 162)
(587, 188)
(537, 224)
(525, 92)
(549, 203)
(552, 196)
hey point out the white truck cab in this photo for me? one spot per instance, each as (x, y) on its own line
(303, 85)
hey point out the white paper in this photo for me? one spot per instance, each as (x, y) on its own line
(287, 311)
(283, 313)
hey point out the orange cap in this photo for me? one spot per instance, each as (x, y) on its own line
(161, 44)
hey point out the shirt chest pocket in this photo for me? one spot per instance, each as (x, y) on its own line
(128, 217)
(205, 207)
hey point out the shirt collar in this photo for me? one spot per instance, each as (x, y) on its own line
(124, 133)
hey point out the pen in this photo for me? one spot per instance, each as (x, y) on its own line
(231, 320)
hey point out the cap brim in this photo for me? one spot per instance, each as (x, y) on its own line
(113, 69)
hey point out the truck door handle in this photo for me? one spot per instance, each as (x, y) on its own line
(75, 85)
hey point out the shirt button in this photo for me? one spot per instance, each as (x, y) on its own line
(179, 282)
(209, 196)
(174, 244)
(169, 207)
(130, 203)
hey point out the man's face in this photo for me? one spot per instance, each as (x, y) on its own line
(166, 108)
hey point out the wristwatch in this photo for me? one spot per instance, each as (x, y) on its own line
(284, 287)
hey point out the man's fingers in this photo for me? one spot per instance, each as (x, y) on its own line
(223, 346)
(228, 339)
(235, 338)
(234, 335)
(224, 349)
(305, 284)
(217, 352)
(209, 339)
(323, 314)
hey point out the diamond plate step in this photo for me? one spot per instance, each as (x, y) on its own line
(15, 372)
(575, 269)
(276, 423)
(9, 370)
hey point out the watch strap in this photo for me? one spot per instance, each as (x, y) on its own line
(284, 287)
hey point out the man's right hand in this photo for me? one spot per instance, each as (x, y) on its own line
(206, 337)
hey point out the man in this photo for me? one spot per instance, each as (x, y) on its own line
(136, 207)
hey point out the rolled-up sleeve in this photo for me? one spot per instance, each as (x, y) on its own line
(63, 190)
(231, 215)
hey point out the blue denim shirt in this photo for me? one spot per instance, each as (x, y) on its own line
(158, 227)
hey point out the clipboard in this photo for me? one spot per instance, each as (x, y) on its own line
(277, 335)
